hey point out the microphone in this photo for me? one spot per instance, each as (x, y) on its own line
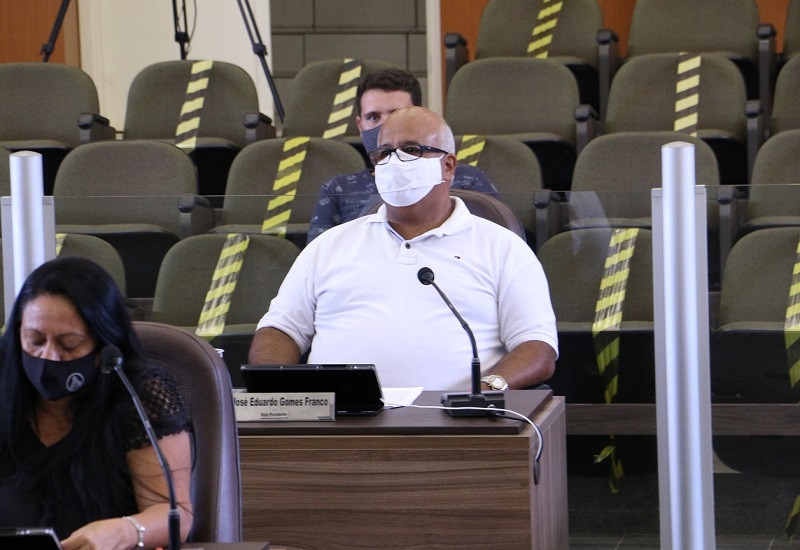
(111, 360)
(476, 399)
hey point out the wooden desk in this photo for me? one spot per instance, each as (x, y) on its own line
(408, 478)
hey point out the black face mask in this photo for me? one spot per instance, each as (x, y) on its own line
(59, 379)
(370, 138)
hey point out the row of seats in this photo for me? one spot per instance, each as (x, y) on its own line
(573, 33)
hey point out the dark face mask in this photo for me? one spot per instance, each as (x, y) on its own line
(370, 138)
(59, 379)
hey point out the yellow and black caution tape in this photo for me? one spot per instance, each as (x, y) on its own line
(470, 149)
(290, 167)
(189, 121)
(223, 283)
(605, 329)
(344, 100)
(687, 90)
(60, 242)
(791, 334)
(542, 34)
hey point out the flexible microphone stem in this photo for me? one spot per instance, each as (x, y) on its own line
(111, 359)
(476, 403)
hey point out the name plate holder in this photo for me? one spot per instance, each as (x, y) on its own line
(284, 406)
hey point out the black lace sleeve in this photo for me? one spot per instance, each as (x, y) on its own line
(165, 409)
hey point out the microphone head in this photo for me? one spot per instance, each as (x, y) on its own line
(425, 275)
(110, 358)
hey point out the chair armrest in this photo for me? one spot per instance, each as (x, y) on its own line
(767, 62)
(548, 215)
(197, 215)
(586, 126)
(756, 132)
(728, 208)
(258, 126)
(456, 55)
(93, 127)
(608, 63)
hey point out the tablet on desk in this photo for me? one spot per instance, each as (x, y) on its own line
(356, 387)
(28, 538)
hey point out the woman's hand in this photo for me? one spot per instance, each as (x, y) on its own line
(107, 534)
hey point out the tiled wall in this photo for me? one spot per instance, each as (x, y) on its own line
(304, 31)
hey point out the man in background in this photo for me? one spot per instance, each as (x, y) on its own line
(345, 197)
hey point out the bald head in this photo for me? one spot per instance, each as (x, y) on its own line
(416, 125)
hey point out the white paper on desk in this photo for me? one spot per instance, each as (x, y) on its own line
(396, 397)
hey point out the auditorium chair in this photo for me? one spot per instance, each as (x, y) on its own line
(5, 172)
(643, 98)
(185, 278)
(48, 108)
(532, 100)
(157, 96)
(311, 98)
(785, 112)
(791, 31)
(515, 172)
(140, 196)
(726, 28)
(251, 197)
(577, 39)
(204, 384)
(750, 362)
(574, 264)
(614, 175)
(479, 204)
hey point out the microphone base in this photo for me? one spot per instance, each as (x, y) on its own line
(489, 401)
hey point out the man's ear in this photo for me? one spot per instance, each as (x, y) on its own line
(358, 123)
(449, 166)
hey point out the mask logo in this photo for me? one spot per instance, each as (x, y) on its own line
(75, 382)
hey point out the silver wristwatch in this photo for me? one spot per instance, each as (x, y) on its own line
(496, 382)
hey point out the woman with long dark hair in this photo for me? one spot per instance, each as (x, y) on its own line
(73, 454)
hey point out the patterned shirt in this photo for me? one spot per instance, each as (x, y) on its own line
(345, 197)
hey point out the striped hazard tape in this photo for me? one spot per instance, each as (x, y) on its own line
(470, 149)
(688, 94)
(223, 283)
(189, 121)
(60, 242)
(791, 334)
(605, 329)
(290, 167)
(344, 100)
(542, 34)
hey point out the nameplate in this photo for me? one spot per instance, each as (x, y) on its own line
(287, 407)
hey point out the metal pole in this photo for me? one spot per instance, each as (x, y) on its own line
(683, 397)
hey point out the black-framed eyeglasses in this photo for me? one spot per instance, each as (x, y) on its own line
(405, 153)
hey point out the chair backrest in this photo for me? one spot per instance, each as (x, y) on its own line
(757, 278)
(791, 32)
(574, 263)
(642, 96)
(42, 101)
(621, 168)
(513, 96)
(724, 26)
(5, 172)
(785, 114)
(255, 167)
(777, 163)
(142, 179)
(506, 27)
(203, 381)
(482, 205)
(158, 92)
(186, 273)
(515, 172)
(97, 250)
(311, 97)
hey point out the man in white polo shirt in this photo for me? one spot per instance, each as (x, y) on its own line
(353, 295)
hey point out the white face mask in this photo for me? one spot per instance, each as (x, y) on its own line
(405, 183)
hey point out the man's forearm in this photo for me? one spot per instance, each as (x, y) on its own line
(528, 364)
